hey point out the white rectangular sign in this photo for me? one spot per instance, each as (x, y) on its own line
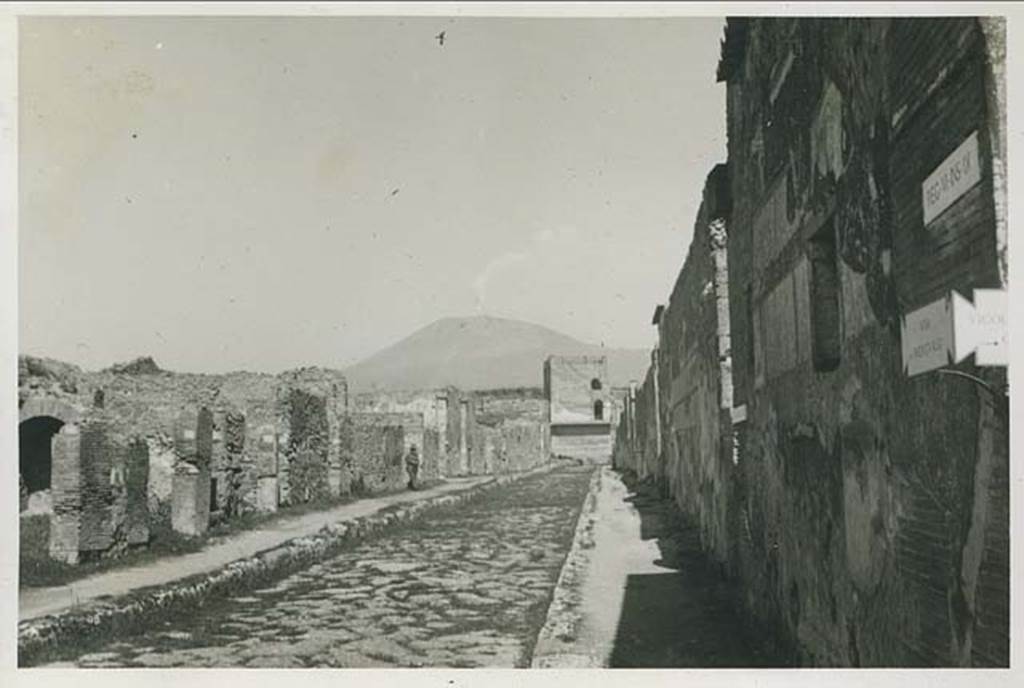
(951, 179)
(927, 338)
(981, 327)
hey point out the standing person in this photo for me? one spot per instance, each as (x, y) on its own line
(412, 464)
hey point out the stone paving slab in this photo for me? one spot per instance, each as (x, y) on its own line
(460, 587)
(37, 602)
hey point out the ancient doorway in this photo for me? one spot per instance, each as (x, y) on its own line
(35, 458)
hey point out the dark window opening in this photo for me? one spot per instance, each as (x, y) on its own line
(35, 457)
(213, 494)
(825, 305)
(599, 410)
(595, 384)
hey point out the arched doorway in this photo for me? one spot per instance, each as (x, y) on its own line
(35, 460)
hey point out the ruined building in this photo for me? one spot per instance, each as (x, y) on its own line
(808, 405)
(107, 453)
(472, 433)
(579, 407)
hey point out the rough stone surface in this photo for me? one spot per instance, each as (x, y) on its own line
(862, 509)
(478, 565)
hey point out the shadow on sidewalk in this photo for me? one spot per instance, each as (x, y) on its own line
(690, 615)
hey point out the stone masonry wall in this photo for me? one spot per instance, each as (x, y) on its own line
(378, 450)
(66, 495)
(205, 446)
(863, 510)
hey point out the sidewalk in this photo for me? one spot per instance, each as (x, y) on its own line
(36, 602)
(641, 593)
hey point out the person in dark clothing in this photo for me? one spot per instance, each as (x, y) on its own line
(412, 464)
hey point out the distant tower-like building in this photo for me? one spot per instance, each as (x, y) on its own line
(579, 407)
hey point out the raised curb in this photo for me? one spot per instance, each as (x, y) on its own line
(554, 648)
(46, 636)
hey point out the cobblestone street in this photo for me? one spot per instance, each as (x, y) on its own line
(465, 588)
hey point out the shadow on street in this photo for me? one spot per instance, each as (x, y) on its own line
(690, 615)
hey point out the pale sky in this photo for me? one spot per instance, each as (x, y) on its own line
(265, 193)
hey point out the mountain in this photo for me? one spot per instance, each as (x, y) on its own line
(481, 352)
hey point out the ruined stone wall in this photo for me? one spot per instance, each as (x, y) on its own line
(465, 429)
(870, 506)
(430, 404)
(642, 457)
(692, 458)
(142, 444)
(451, 414)
(377, 452)
(522, 445)
(864, 511)
(311, 403)
(496, 406)
(246, 434)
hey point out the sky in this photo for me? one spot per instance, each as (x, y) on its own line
(266, 193)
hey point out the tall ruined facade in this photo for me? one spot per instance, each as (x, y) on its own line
(863, 506)
(875, 505)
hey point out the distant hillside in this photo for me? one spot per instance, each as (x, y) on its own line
(481, 353)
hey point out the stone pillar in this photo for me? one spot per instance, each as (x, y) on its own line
(232, 487)
(65, 492)
(346, 458)
(333, 452)
(431, 454)
(267, 497)
(463, 438)
(190, 501)
(190, 491)
(394, 455)
(441, 425)
(218, 466)
(96, 532)
(136, 490)
(284, 459)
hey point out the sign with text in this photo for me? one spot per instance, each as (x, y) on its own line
(980, 328)
(957, 174)
(927, 338)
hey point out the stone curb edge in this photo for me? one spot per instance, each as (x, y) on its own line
(563, 615)
(45, 635)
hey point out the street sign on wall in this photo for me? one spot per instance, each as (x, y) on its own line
(949, 330)
(980, 328)
(954, 176)
(927, 338)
